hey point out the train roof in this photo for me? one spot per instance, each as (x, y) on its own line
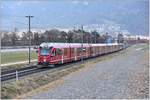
(73, 45)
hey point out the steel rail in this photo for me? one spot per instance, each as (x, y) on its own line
(33, 69)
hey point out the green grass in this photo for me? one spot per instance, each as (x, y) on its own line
(16, 57)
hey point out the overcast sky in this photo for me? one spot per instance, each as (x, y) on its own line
(131, 15)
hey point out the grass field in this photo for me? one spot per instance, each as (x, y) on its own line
(16, 57)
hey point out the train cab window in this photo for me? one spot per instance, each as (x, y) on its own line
(45, 51)
(59, 52)
(53, 53)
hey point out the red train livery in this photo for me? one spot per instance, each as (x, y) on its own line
(59, 53)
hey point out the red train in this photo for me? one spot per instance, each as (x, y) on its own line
(59, 53)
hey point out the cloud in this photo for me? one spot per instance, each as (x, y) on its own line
(85, 3)
(75, 2)
(35, 1)
(19, 3)
(44, 9)
(80, 2)
(62, 16)
(1, 6)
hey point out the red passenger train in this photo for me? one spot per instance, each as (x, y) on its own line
(59, 53)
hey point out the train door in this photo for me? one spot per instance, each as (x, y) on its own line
(62, 56)
(53, 56)
(96, 51)
(84, 52)
(99, 50)
(105, 49)
(108, 50)
(75, 54)
(69, 55)
(59, 55)
(79, 53)
(72, 54)
(87, 52)
(90, 51)
(111, 48)
(102, 49)
(65, 54)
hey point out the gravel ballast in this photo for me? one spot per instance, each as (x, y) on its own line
(125, 76)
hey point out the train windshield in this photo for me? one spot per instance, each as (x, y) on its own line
(45, 51)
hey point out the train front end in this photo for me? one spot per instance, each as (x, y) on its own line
(44, 54)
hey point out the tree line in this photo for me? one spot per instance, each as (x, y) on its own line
(54, 35)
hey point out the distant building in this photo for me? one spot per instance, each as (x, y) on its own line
(110, 40)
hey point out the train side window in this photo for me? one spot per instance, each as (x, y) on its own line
(65, 51)
(72, 51)
(93, 49)
(84, 49)
(78, 50)
(75, 51)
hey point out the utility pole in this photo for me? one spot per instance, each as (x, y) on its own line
(74, 28)
(95, 36)
(66, 37)
(29, 31)
(82, 44)
(91, 37)
(73, 34)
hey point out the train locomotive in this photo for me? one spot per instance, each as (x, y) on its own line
(59, 53)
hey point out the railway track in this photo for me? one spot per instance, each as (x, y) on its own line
(31, 70)
(15, 74)
(18, 69)
(19, 73)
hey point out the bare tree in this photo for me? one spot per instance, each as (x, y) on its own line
(14, 37)
(24, 38)
(64, 36)
(70, 35)
(36, 38)
(120, 38)
(5, 40)
(52, 35)
(95, 36)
